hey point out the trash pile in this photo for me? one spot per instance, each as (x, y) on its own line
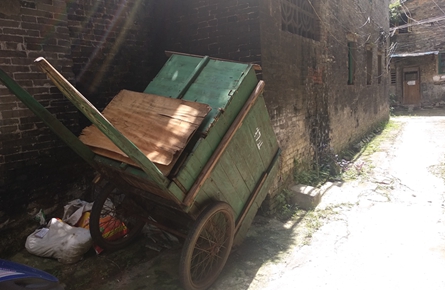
(69, 238)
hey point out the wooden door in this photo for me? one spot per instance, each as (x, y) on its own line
(411, 86)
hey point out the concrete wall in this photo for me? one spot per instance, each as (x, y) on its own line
(100, 46)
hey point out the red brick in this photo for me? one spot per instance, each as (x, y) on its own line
(5, 60)
(9, 53)
(12, 38)
(29, 76)
(9, 23)
(34, 12)
(31, 19)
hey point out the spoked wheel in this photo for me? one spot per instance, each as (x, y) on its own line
(114, 220)
(207, 247)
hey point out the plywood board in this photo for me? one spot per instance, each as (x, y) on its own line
(159, 126)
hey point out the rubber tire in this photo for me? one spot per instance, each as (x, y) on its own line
(134, 225)
(210, 213)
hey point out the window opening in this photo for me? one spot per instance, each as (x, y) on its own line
(393, 77)
(351, 62)
(379, 69)
(298, 17)
(441, 64)
(404, 20)
(411, 76)
(369, 66)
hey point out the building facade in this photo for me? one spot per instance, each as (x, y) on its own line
(324, 64)
(418, 54)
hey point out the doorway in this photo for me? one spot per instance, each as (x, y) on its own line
(411, 86)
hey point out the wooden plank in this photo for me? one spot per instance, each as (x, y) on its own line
(227, 189)
(160, 127)
(256, 199)
(244, 168)
(235, 188)
(261, 130)
(103, 124)
(55, 125)
(223, 144)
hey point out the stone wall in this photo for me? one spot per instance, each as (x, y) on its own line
(100, 46)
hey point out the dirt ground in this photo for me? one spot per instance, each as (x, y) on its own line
(383, 227)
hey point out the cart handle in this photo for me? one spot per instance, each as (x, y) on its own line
(207, 170)
(78, 100)
(52, 122)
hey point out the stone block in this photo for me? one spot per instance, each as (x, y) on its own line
(306, 197)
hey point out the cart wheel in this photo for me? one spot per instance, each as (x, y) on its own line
(114, 220)
(207, 247)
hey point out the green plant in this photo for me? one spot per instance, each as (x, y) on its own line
(395, 14)
(316, 174)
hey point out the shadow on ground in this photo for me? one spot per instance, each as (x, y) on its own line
(139, 267)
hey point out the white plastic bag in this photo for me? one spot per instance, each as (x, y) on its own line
(73, 210)
(61, 241)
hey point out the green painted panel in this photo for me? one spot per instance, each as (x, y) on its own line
(257, 203)
(231, 99)
(231, 183)
(245, 168)
(227, 190)
(173, 75)
(197, 159)
(261, 131)
(208, 192)
(176, 191)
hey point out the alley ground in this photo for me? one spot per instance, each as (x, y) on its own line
(381, 228)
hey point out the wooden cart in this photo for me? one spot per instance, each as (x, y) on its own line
(194, 153)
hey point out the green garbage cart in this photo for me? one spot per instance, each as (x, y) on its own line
(195, 154)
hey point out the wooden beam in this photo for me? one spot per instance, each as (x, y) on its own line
(102, 123)
(207, 170)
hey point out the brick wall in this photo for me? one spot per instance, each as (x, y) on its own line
(312, 107)
(225, 29)
(427, 36)
(356, 109)
(112, 46)
(32, 158)
(100, 46)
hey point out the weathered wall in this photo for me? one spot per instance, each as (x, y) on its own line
(100, 46)
(313, 109)
(355, 109)
(428, 37)
(432, 84)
